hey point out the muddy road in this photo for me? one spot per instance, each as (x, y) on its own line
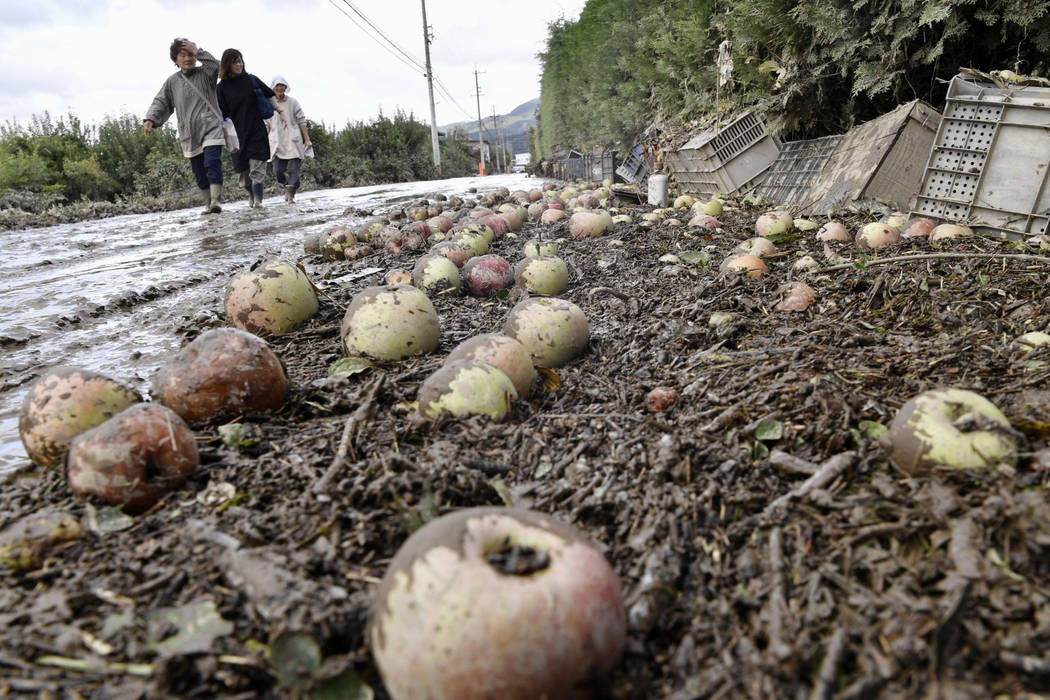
(111, 294)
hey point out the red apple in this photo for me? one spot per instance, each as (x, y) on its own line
(486, 275)
(133, 458)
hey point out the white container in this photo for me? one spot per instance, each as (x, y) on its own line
(658, 190)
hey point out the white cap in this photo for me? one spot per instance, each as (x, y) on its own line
(279, 80)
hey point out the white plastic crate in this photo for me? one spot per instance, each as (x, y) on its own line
(729, 159)
(989, 164)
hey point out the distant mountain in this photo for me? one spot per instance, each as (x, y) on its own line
(513, 126)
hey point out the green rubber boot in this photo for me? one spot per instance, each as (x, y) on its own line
(206, 198)
(214, 195)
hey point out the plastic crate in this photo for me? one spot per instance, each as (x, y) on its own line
(733, 159)
(881, 159)
(988, 167)
(587, 167)
(796, 168)
(635, 168)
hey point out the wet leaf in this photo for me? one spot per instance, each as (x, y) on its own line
(349, 366)
(217, 493)
(500, 487)
(346, 686)
(769, 429)
(196, 626)
(872, 430)
(549, 379)
(694, 257)
(106, 519)
(296, 658)
(235, 435)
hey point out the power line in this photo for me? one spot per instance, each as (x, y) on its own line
(381, 33)
(370, 36)
(411, 62)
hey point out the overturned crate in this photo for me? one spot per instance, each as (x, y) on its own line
(796, 169)
(878, 160)
(727, 160)
(635, 167)
(988, 167)
(600, 166)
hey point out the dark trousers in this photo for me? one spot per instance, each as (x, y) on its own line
(286, 170)
(207, 167)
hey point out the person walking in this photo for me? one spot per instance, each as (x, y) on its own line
(237, 100)
(289, 139)
(190, 93)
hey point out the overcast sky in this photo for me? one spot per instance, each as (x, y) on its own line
(107, 57)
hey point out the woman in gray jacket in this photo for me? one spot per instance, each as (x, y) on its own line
(190, 94)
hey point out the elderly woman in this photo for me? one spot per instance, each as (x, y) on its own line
(288, 139)
(236, 93)
(191, 94)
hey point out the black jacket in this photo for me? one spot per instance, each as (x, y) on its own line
(237, 101)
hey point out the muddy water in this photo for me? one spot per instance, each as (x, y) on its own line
(110, 295)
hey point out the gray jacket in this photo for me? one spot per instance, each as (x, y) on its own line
(198, 124)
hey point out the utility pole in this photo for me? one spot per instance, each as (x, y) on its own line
(495, 137)
(430, 87)
(481, 146)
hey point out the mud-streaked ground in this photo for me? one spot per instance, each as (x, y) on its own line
(112, 294)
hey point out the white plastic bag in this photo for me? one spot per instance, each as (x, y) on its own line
(233, 144)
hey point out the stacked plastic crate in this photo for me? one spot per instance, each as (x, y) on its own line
(730, 159)
(796, 168)
(990, 160)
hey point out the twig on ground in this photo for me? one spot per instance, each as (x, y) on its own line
(830, 469)
(364, 413)
(825, 683)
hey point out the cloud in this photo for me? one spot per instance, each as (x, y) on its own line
(104, 57)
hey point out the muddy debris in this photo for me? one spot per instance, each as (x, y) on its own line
(765, 544)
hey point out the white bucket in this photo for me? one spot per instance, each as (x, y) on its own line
(658, 190)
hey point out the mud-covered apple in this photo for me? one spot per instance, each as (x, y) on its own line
(833, 231)
(435, 273)
(461, 388)
(497, 603)
(456, 252)
(542, 274)
(538, 247)
(949, 429)
(949, 232)
(133, 458)
(487, 275)
(749, 265)
(877, 235)
(773, 222)
(503, 353)
(390, 323)
(221, 374)
(589, 224)
(273, 298)
(551, 215)
(64, 402)
(553, 330)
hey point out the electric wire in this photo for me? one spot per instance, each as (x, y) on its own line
(381, 33)
(373, 38)
(405, 58)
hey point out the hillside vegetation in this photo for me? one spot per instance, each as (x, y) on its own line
(810, 68)
(60, 168)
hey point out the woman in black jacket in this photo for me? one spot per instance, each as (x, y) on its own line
(236, 93)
